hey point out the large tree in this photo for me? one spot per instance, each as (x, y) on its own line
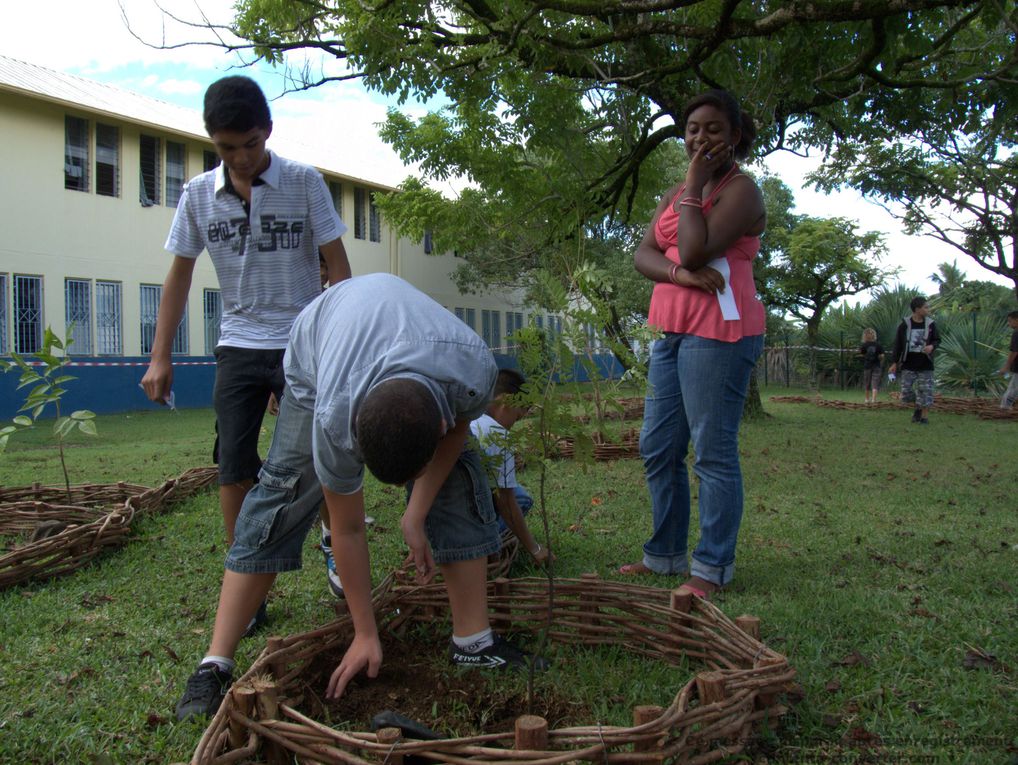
(825, 259)
(560, 114)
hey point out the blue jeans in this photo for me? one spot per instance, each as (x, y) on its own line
(697, 391)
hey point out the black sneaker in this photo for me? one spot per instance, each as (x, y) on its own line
(204, 692)
(258, 621)
(923, 421)
(499, 654)
(917, 415)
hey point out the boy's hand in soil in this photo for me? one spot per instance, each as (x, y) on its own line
(364, 652)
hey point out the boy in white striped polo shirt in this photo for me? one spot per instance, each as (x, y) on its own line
(263, 219)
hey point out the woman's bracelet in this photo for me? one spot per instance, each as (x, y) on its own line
(691, 202)
(671, 273)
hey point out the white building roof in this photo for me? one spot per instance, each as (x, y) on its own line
(76, 92)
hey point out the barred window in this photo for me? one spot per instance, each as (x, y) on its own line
(27, 314)
(107, 160)
(4, 313)
(471, 318)
(109, 336)
(359, 220)
(496, 329)
(209, 160)
(78, 315)
(75, 153)
(149, 311)
(336, 190)
(428, 246)
(375, 223)
(459, 314)
(486, 328)
(213, 313)
(176, 172)
(148, 190)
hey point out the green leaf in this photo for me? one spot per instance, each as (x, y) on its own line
(82, 414)
(8, 429)
(3, 442)
(63, 426)
(87, 427)
(63, 379)
(23, 421)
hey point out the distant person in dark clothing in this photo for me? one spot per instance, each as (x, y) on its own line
(872, 354)
(914, 343)
(1011, 365)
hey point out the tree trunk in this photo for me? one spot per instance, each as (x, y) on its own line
(753, 408)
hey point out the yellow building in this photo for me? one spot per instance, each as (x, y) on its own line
(91, 175)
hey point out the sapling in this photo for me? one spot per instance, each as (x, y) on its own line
(550, 360)
(44, 375)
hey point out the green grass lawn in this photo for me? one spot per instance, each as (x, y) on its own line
(880, 556)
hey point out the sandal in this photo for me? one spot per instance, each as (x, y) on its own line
(635, 569)
(704, 593)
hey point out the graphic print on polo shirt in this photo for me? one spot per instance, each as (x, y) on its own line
(275, 233)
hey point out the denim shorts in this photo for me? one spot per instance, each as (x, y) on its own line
(244, 379)
(461, 524)
(281, 508)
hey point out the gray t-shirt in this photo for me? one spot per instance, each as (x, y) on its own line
(368, 329)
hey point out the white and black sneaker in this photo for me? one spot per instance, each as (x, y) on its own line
(501, 654)
(204, 692)
(335, 585)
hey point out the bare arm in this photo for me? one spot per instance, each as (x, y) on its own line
(350, 548)
(158, 378)
(425, 490)
(511, 513)
(336, 261)
(650, 261)
(738, 211)
(1009, 364)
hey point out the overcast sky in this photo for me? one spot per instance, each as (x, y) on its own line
(334, 126)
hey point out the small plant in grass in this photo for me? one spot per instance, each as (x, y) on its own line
(48, 388)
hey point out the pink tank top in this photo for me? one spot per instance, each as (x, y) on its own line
(692, 311)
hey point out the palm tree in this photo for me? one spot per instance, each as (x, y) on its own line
(948, 278)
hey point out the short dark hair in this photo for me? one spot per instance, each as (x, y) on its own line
(917, 302)
(398, 428)
(235, 103)
(1013, 315)
(738, 118)
(509, 382)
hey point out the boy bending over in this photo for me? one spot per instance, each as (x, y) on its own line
(377, 374)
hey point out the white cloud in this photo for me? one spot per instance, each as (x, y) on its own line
(181, 87)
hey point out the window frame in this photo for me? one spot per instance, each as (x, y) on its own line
(155, 150)
(212, 321)
(77, 156)
(78, 315)
(175, 183)
(18, 282)
(112, 293)
(102, 147)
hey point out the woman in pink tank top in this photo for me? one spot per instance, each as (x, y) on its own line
(699, 251)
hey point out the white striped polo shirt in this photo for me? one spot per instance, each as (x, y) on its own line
(267, 263)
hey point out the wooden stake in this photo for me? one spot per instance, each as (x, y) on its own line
(711, 687)
(681, 601)
(389, 737)
(749, 624)
(267, 703)
(277, 666)
(243, 697)
(641, 716)
(765, 699)
(531, 733)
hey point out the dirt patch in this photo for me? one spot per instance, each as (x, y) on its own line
(417, 681)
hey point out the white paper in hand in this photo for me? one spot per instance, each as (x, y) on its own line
(726, 299)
